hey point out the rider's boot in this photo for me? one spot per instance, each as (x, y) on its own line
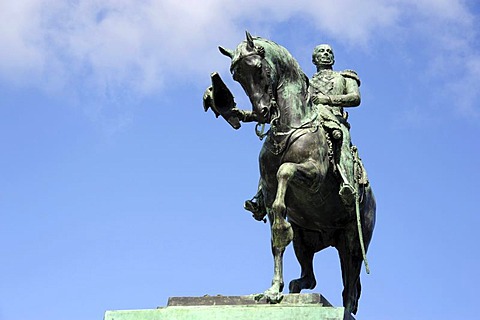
(345, 165)
(347, 194)
(347, 191)
(256, 206)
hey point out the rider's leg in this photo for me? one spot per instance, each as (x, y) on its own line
(345, 165)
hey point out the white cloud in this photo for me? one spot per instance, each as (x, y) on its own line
(449, 32)
(464, 87)
(353, 21)
(141, 41)
(19, 52)
(134, 45)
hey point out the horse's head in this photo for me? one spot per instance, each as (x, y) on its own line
(253, 71)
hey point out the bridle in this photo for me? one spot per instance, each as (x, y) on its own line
(272, 109)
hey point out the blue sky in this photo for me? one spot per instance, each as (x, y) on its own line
(118, 191)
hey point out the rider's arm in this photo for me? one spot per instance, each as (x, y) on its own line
(351, 98)
(244, 115)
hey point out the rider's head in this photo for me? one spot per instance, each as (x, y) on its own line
(323, 56)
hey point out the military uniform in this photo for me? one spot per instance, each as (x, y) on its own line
(341, 89)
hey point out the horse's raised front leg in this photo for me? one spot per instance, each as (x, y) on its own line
(282, 232)
(274, 293)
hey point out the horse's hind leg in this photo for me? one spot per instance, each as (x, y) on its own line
(351, 261)
(305, 243)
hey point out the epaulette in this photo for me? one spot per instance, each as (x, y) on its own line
(351, 74)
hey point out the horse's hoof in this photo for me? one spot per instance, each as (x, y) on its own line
(259, 296)
(298, 285)
(274, 297)
(270, 297)
(294, 287)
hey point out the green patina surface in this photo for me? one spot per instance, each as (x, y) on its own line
(313, 186)
(277, 312)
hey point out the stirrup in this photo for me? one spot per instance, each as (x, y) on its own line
(256, 210)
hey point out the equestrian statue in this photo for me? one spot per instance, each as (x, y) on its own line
(313, 187)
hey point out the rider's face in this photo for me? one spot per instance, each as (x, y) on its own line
(323, 55)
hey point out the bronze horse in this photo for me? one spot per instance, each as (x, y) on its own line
(298, 181)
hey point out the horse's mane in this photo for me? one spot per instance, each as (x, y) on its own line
(284, 61)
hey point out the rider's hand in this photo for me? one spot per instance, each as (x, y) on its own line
(321, 99)
(236, 113)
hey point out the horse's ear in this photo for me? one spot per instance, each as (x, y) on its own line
(226, 52)
(249, 40)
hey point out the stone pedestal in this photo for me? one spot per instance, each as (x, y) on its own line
(293, 306)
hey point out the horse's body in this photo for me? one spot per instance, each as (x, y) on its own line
(298, 182)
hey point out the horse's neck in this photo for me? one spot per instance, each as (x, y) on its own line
(292, 107)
